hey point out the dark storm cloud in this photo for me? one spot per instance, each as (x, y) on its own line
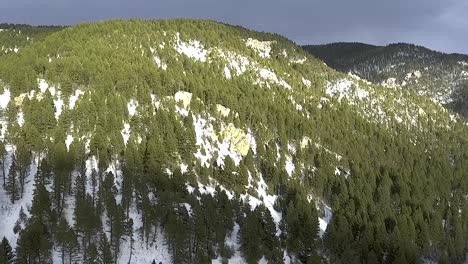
(437, 24)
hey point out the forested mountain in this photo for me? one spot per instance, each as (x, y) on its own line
(443, 77)
(14, 37)
(191, 141)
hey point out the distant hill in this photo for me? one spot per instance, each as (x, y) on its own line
(14, 37)
(443, 77)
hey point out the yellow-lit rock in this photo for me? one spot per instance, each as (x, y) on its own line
(224, 111)
(239, 141)
(184, 97)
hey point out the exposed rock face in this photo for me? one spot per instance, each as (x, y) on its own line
(184, 97)
(224, 111)
(238, 139)
(262, 47)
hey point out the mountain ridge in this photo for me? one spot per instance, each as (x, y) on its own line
(441, 76)
(171, 123)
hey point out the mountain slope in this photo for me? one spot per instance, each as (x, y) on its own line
(443, 77)
(193, 141)
(14, 37)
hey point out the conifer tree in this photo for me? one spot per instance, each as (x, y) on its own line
(3, 154)
(23, 159)
(201, 243)
(104, 249)
(13, 185)
(34, 244)
(270, 243)
(250, 237)
(41, 207)
(87, 221)
(6, 252)
(92, 254)
(132, 239)
(66, 239)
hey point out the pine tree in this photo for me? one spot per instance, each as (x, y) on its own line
(201, 242)
(132, 240)
(21, 222)
(62, 167)
(23, 159)
(250, 237)
(6, 252)
(177, 238)
(224, 221)
(40, 209)
(131, 169)
(3, 154)
(301, 228)
(44, 173)
(92, 254)
(87, 221)
(104, 249)
(66, 239)
(94, 185)
(270, 243)
(13, 185)
(34, 244)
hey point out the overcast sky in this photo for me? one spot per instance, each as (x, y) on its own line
(437, 24)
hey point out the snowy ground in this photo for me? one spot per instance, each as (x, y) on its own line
(9, 212)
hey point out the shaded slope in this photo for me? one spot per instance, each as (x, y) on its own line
(443, 77)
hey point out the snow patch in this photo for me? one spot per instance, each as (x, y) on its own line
(232, 242)
(58, 103)
(263, 48)
(183, 168)
(289, 167)
(160, 63)
(204, 135)
(5, 98)
(9, 212)
(417, 74)
(20, 119)
(184, 97)
(43, 85)
(232, 142)
(398, 119)
(132, 106)
(193, 49)
(346, 89)
(74, 98)
(299, 60)
(155, 101)
(337, 171)
(306, 82)
(224, 111)
(227, 72)
(236, 62)
(325, 220)
(270, 76)
(267, 200)
(125, 133)
(390, 83)
(68, 141)
(463, 63)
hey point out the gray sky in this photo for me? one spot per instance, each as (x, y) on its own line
(437, 24)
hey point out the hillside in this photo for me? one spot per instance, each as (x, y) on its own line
(14, 37)
(442, 77)
(191, 141)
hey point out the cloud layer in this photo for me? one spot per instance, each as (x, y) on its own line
(440, 25)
